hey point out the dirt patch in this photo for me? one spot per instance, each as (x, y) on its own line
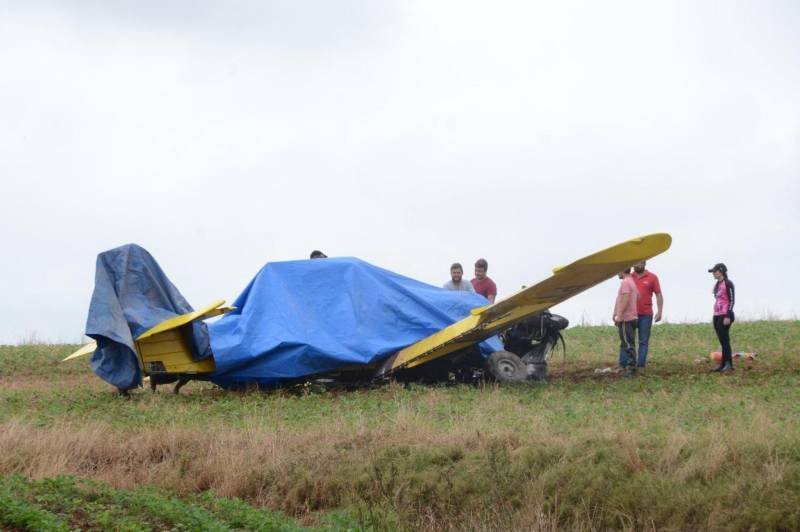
(582, 372)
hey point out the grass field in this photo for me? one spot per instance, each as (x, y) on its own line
(676, 448)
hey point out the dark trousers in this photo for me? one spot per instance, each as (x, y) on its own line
(723, 333)
(643, 326)
(626, 342)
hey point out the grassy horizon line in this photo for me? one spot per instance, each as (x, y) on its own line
(34, 338)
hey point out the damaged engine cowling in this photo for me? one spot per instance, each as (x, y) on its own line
(528, 346)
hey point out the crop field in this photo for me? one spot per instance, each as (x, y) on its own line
(675, 448)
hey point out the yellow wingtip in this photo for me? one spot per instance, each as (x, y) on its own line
(85, 350)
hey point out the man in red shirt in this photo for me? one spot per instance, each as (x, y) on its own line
(483, 284)
(647, 285)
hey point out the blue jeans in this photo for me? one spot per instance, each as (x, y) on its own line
(643, 325)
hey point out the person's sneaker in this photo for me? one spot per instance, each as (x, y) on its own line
(630, 373)
(717, 369)
(726, 368)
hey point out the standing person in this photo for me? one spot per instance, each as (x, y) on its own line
(724, 298)
(625, 318)
(456, 281)
(482, 283)
(647, 285)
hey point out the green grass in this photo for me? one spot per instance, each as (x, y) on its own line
(677, 386)
(39, 359)
(676, 448)
(67, 503)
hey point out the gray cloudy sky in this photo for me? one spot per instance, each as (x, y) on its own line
(222, 135)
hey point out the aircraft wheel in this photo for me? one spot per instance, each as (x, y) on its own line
(507, 367)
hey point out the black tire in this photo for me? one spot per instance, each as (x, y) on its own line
(507, 367)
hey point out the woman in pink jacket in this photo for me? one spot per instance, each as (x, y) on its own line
(724, 298)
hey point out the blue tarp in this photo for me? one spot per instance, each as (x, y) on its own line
(131, 295)
(294, 319)
(305, 317)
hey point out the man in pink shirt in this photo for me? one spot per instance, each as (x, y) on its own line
(625, 317)
(482, 283)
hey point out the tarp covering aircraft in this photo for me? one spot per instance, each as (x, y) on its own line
(342, 317)
(294, 319)
(132, 294)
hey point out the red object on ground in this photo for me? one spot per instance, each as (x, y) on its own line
(716, 355)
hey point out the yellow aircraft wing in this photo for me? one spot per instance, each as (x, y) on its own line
(85, 350)
(565, 282)
(210, 310)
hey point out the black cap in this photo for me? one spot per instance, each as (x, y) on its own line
(719, 267)
(317, 254)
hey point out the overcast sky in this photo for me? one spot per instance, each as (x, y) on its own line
(411, 134)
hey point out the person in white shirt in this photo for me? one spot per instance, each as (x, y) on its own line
(457, 282)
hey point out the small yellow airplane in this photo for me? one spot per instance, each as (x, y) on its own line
(165, 356)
